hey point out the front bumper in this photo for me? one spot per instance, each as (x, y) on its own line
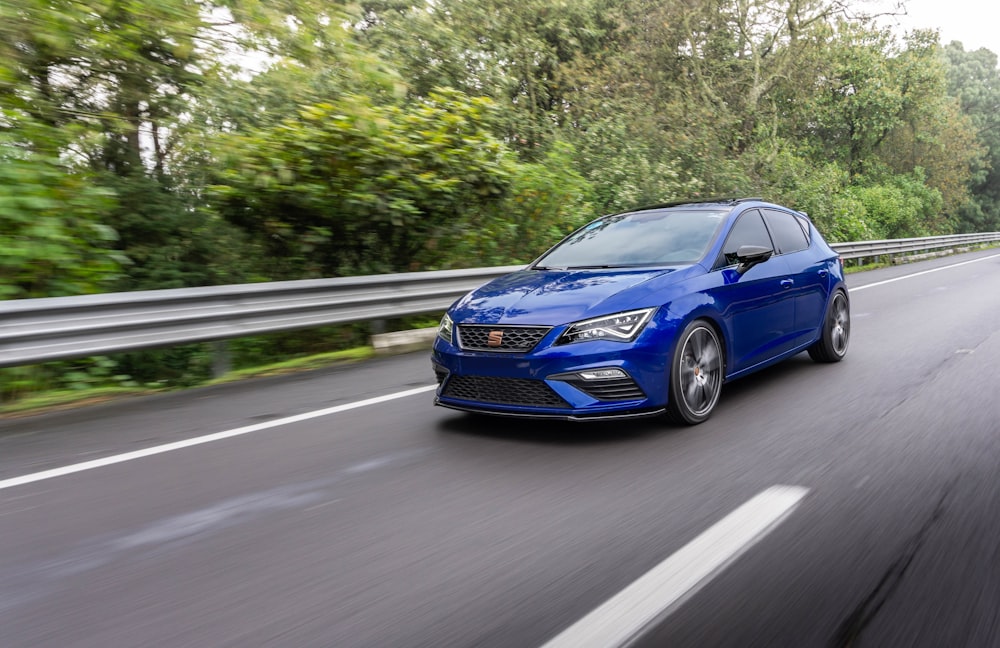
(547, 382)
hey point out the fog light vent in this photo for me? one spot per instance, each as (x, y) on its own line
(607, 384)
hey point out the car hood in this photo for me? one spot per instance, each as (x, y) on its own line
(552, 297)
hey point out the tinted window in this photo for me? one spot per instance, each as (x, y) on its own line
(748, 230)
(787, 232)
(655, 237)
(804, 223)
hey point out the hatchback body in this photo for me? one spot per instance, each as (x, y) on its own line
(646, 312)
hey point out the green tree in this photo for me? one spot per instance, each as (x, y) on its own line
(512, 51)
(859, 102)
(111, 82)
(546, 200)
(933, 135)
(786, 174)
(52, 240)
(355, 188)
(899, 207)
(974, 79)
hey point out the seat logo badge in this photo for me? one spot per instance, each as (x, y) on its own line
(495, 338)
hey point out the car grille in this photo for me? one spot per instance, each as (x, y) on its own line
(619, 389)
(502, 391)
(515, 339)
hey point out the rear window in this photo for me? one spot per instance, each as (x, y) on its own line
(786, 230)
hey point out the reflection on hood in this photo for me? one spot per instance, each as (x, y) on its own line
(551, 297)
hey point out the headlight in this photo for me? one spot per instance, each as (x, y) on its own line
(620, 327)
(445, 328)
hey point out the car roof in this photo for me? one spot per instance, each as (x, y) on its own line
(704, 202)
(715, 203)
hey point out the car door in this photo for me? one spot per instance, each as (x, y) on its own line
(807, 270)
(757, 307)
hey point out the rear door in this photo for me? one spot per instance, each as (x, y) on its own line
(807, 270)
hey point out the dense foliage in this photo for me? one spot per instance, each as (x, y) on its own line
(194, 142)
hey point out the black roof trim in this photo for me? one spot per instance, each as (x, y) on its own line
(701, 201)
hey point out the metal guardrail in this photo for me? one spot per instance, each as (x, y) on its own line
(39, 330)
(892, 247)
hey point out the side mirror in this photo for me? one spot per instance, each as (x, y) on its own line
(750, 255)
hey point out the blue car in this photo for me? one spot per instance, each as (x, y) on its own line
(646, 312)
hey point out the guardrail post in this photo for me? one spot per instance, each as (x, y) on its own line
(222, 360)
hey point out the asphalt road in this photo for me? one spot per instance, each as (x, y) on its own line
(394, 523)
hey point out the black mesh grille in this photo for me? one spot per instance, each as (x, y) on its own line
(512, 339)
(619, 389)
(502, 391)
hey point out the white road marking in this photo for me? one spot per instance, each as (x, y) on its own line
(923, 272)
(660, 590)
(208, 438)
(323, 505)
(21, 510)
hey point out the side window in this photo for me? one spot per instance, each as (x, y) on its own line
(804, 223)
(787, 231)
(748, 230)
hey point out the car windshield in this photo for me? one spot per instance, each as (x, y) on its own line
(656, 237)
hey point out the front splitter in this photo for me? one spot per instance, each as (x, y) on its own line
(557, 417)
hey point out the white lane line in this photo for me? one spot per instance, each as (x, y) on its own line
(923, 272)
(208, 438)
(622, 617)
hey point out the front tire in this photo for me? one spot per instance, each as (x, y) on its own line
(836, 333)
(696, 373)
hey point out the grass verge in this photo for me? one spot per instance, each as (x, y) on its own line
(296, 364)
(68, 398)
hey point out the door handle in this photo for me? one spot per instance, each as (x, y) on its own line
(787, 283)
(822, 274)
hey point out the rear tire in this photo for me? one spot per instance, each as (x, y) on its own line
(836, 333)
(696, 373)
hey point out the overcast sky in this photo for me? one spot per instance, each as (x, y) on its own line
(973, 22)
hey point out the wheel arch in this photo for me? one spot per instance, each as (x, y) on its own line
(714, 320)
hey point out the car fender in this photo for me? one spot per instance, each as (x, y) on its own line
(697, 306)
